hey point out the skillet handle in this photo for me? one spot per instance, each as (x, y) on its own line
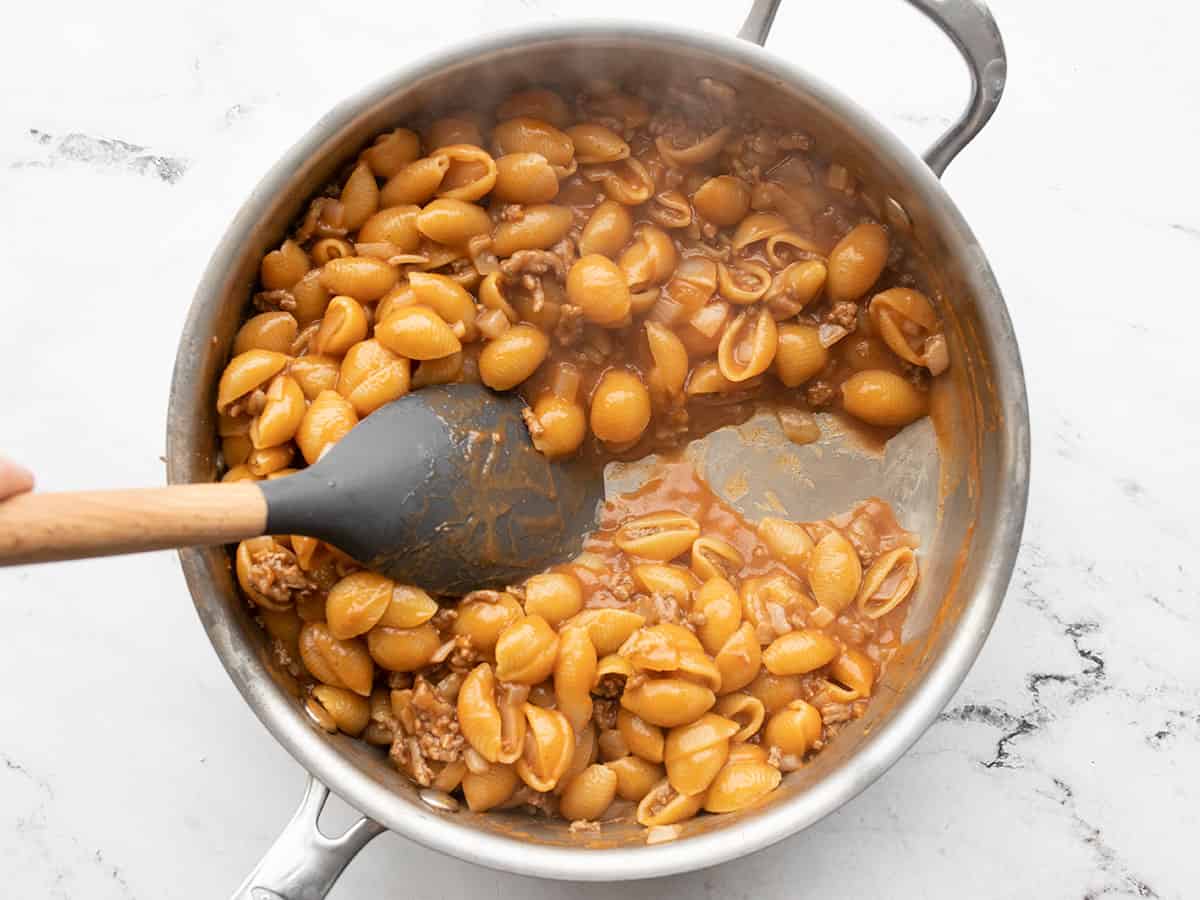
(303, 863)
(969, 24)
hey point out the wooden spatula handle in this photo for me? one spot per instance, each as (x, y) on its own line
(47, 527)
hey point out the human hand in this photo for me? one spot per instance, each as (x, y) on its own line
(14, 479)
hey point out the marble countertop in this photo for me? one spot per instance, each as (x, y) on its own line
(1066, 766)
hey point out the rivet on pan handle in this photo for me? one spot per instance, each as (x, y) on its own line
(969, 24)
(303, 863)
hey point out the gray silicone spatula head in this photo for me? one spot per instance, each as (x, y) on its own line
(444, 489)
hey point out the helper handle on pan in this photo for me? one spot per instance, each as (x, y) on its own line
(303, 863)
(969, 24)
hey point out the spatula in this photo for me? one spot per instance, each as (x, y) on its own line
(441, 488)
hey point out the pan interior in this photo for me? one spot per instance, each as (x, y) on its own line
(943, 481)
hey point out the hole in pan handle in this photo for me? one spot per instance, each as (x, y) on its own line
(303, 863)
(969, 24)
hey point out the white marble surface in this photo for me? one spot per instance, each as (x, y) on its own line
(1067, 764)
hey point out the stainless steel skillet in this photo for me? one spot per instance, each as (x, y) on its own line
(963, 488)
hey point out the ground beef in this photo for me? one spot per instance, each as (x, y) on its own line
(276, 578)
(457, 654)
(569, 329)
(527, 271)
(917, 376)
(534, 289)
(428, 731)
(844, 313)
(437, 729)
(533, 262)
(759, 147)
(832, 713)
(609, 686)
(659, 798)
(750, 154)
(658, 608)
(512, 212)
(566, 251)
(819, 394)
(464, 657)
(623, 587)
(604, 713)
(406, 756)
(443, 620)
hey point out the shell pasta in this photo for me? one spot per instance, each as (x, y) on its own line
(643, 266)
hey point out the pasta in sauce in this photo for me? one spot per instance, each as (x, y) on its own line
(642, 269)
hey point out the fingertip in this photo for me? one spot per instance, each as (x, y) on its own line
(14, 478)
